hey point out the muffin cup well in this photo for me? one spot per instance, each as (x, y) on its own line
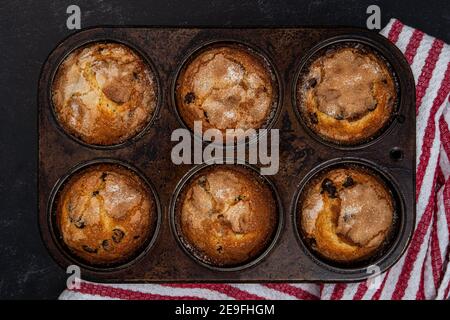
(144, 58)
(334, 44)
(197, 50)
(174, 211)
(382, 255)
(57, 236)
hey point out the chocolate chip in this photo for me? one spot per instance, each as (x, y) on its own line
(103, 176)
(219, 249)
(89, 249)
(79, 222)
(329, 187)
(313, 118)
(135, 75)
(311, 83)
(202, 181)
(136, 237)
(107, 246)
(189, 97)
(348, 182)
(95, 193)
(118, 235)
(372, 106)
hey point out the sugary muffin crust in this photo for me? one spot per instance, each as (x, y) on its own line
(347, 96)
(346, 214)
(105, 214)
(104, 93)
(227, 216)
(226, 87)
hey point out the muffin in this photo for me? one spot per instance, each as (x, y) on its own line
(227, 215)
(347, 95)
(346, 214)
(226, 87)
(104, 94)
(105, 214)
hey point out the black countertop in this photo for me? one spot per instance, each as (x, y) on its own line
(31, 29)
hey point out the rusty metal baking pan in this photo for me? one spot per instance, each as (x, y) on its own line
(165, 48)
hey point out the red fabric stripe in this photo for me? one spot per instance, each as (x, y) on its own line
(446, 196)
(377, 294)
(445, 135)
(293, 291)
(414, 248)
(420, 295)
(447, 291)
(427, 71)
(396, 28)
(338, 291)
(110, 292)
(222, 288)
(411, 48)
(436, 261)
(430, 130)
(362, 289)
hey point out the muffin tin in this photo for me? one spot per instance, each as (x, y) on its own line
(391, 155)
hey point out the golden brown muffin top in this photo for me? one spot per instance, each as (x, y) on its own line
(344, 89)
(228, 215)
(348, 212)
(105, 213)
(347, 95)
(226, 87)
(104, 93)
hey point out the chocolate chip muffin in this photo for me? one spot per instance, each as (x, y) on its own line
(347, 95)
(105, 214)
(346, 214)
(104, 93)
(226, 87)
(227, 215)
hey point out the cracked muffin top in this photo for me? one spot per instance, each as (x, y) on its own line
(346, 214)
(105, 214)
(347, 95)
(104, 93)
(226, 87)
(228, 215)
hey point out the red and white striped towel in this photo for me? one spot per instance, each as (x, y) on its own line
(424, 271)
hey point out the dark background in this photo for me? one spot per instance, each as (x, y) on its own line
(29, 30)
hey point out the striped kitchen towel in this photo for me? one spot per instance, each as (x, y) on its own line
(423, 272)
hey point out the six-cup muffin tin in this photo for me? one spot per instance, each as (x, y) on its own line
(391, 155)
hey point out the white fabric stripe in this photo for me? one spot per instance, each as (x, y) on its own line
(174, 291)
(442, 224)
(429, 97)
(72, 295)
(444, 284)
(428, 274)
(404, 38)
(387, 28)
(327, 291)
(421, 56)
(444, 163)
(311, 288)
(350, 291)
(264, 292)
